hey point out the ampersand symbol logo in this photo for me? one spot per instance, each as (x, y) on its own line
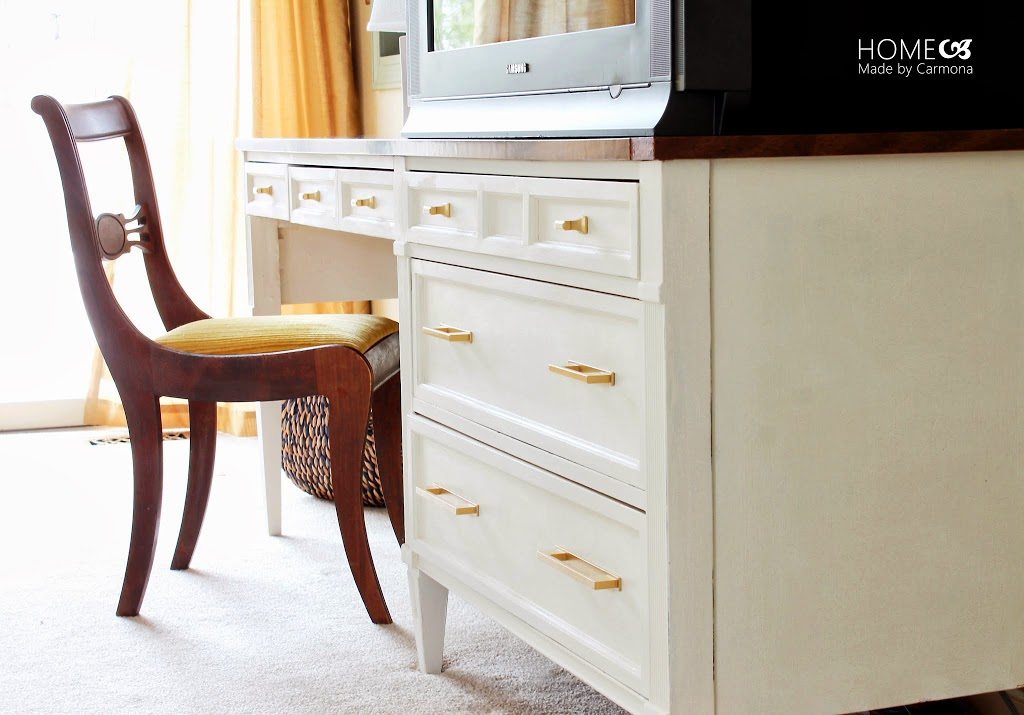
(960, 49)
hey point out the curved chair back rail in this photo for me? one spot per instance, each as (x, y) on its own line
(144, 370)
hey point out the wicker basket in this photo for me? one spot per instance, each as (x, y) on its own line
(304, 455)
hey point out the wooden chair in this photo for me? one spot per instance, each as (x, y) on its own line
(350, 359)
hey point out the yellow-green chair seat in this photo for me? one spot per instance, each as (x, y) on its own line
(275, 333)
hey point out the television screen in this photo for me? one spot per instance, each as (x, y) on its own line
(467, 23)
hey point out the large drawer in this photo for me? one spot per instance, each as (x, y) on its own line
(584, 224)
(499, 351)
(524, 514)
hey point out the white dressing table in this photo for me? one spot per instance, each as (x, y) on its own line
(721, 425)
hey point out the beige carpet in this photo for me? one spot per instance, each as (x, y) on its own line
(259, 625)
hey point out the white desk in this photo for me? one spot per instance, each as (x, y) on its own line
(303, 250)
(800, 449)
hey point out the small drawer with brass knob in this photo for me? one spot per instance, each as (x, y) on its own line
(314, 196)
(442, 206)
(266, 190)
(368, 202)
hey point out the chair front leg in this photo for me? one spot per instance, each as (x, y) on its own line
(348, 391)
(145, 431)
(202, 418)
(387, 436)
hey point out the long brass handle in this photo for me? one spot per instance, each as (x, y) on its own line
(370, 203)
(583, 571)
(459, 506)
(584, 373)
(580, 224)
(449, 333)
(268, 190)
(442, 210)
(311, 196)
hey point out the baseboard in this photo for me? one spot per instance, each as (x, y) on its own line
(41, 415)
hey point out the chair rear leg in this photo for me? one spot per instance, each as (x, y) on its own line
(387, 435)
(144, 427)
(202, 417)
(349, 413)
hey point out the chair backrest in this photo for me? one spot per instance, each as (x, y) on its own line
(109, 236)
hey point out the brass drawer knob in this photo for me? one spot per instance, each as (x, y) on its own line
(268, 190)
(439, 496)
(580, 224)
(449, 333)
(311, 196)
(442, 210)
(370, 203)
(581, 570)
(584, 373)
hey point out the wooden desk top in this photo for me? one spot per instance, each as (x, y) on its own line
(655, 148)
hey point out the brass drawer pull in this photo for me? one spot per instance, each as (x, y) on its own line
(312, 196)
(452, 335)
(581, 224)
(442, 210)
(268, 190)
(452, 502)
(583, 571)
(370, 203)
(584, 373)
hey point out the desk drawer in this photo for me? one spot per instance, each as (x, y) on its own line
(582, 224)
(524, 513)
(266, 190)
(513, 371)
(443, 206)
(368, 202)
(313, 196)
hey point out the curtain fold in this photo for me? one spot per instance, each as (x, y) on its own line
(304, 83)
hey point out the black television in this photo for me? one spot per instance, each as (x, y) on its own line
(557, 68)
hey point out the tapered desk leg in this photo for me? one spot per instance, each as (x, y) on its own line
(429, 612)
(268, 427)
(265, 299)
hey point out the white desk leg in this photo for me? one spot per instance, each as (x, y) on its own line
(268, 428)
(265, 299)
(429, 612)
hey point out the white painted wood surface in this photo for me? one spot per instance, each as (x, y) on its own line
(522, 511)
(515, 217)
(829, 424)
(869, 430)
(289, 262)
(502, 379)
(265, 299)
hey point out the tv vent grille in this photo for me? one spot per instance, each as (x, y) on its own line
(412, 11)
(680, 41)
(661, 38)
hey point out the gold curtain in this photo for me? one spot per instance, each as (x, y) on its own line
(304, 83)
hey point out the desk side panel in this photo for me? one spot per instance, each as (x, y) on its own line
(868, 430)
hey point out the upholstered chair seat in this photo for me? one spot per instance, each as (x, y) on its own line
(374, 336)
